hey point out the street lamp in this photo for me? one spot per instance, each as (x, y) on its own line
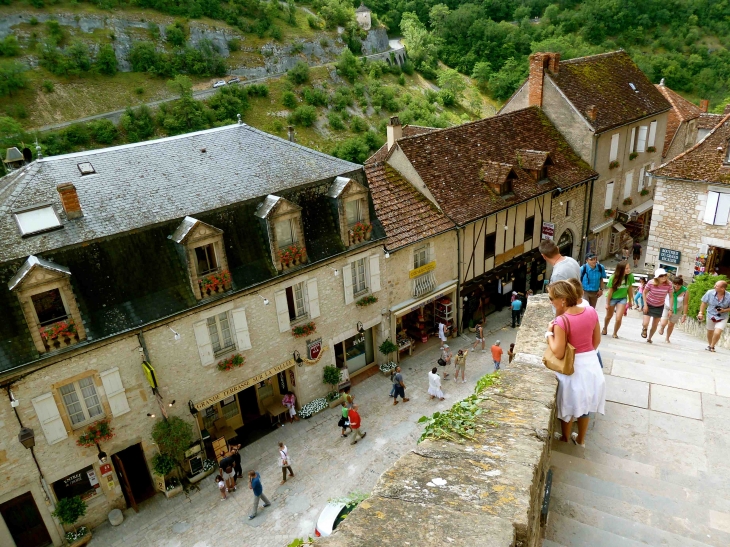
(360, 328)
(298, 358)
(26, 437)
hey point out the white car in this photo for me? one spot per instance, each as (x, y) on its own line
(219, 83)
(330, 517)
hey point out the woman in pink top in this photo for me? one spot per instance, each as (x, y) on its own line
(655, 293)
(583, 391)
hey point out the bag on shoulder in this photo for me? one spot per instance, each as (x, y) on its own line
(564, 365)
(441, 362)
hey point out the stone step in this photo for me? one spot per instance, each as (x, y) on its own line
(691, 526)
(572, 533)
(548, 543)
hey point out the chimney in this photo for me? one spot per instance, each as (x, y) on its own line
(290, 131)
(394, 131)
(70, 200)
(704, 105)
(591, 112)
(554, 62)
(538, 63)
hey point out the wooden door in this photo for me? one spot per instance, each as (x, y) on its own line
(25, 523)
(124, 481)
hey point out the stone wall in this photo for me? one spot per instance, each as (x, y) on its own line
(698, 330)
(484, 491)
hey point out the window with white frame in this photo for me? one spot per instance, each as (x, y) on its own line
(206, 259)
(81, 401)
(359, 276)
(219, 329)
(717, 209)
(353, 211)
(296, 301)
(286, 233)
(420, 256)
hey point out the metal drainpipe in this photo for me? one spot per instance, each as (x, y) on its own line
(458, 281)
(589, 196)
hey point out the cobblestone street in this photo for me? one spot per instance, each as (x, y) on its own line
(326, 465)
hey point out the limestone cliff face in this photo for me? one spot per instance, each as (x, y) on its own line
(376, 41)
(485, 491)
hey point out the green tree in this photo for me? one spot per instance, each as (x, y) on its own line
(304, 115)
(12, 78)
(106, 61)
(175, 34)
(9, 127)
(299, 73)
(437, 17)
(143, 57)
(421, 45)
(173, 436)
(103, 131)
(138, 124)
(181, 85)
(348, 66)
(9, 46)
(289, 99)
(450, 80)
(505, 82)
(481, 73)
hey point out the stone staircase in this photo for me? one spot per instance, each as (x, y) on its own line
(656, 467)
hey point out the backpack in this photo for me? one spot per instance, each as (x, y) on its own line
(584, 272)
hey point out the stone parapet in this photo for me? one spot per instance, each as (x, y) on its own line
(699, 330)
(484, 491)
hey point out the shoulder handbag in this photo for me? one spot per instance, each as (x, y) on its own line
(564, 365)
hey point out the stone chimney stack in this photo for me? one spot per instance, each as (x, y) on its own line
(394, 131)
(704, 105)
(290, 131)
(70, 200)
(539, 62)
(554, 62)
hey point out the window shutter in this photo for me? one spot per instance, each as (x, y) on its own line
(652, 133)
(640, 184)
(50, 418)
(723, 209)
(205, 347)
(374, 273)
(711, 209)
(313, 298)
(240, 325)
(614, 148)
(628, 186)
(641, 141)
(282, 311)
(115, 393)
(609, 195)
(347, 280)
(632, 146)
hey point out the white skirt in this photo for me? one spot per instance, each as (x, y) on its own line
(436, 392)
(583, 391)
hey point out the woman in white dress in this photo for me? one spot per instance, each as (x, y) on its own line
(584, 391)
(434, 384)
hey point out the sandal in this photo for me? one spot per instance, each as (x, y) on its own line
(649, 342)
(604, 332)
(615, 336)
(712, 349)
(643, 332)
(709, 348)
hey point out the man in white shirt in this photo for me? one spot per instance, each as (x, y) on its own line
(564, 267)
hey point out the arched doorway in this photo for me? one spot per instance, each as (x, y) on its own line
(565, 243)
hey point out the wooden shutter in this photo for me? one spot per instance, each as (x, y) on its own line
(115, 393)
(632, 146)
(723, 209)
(313, 298)
(640, 184)
(347, 281)
(50, 418)
(609, 196)
(374, 273)
(652, 133)
(614, 147)
(629, 184)
(641, 141)
(282, 310)
(711, 209)
(205, 347)
(240, 325)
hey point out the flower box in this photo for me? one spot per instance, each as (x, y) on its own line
(366, 301)
(627, 201)
(59, 334)
(303, 330)
(234, 361)
(215, 282)
(172, 487)
(82, 536)
(651, 149)
(311, 408)
(614, 164)
(644, 192)
(361, 231)
(633, 155)
(95, 433)
(291, 256)
(608, 213)
(209, 466)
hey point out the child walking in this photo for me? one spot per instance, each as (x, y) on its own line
(222, 487)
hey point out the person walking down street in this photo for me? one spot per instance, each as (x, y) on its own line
(655, 293)
(625, 254)
(516, 312)
(592, 276)
(348, 398)
(445, 359)
(285, 462)
(344, 423)
(400, 389)
(354, 418)
(511, 352)
(620, 292)
(584, 391)
(434, 384)
(442, 333)
(254, 483)
(676, 305)
(636, 253)
(479, 337)
(222, 487)
(639, 296)
(717, 303)
(289, 401)
(564, 267)
(460, 365)
(497, 354)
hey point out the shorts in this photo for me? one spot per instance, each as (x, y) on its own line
(654, 311)
(227, 476)
(674, 319)
(480, 339)
(616, 301)
(711, 325)
(461, 367)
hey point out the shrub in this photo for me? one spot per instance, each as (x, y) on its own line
(70, 510)
(401, 80)
(314, 96)
(106, 60)
(173, 436)
(313, 22)
(299, 73)
(331, 376)
(341, 99)
(408, 67)
(9, 46)
(358, 125)
(139, 90)
(348, 66)
(697, 289)
(77, 134)
(162, 464)
(175, 34)
(234, 44)
(103, 131)
(258, 90)
(276, 33)
(446, 98)
(48, 86)
(304, 115)
(289, 99)
(335, 121)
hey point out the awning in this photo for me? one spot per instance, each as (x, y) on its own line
(619, 227)
(413, 304)
(644, 207)
(602, 226)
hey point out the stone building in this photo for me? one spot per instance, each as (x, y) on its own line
(690, 232)
(485, 193)
(683, 123)
(362, 15)
(198, 276)
(616, 120)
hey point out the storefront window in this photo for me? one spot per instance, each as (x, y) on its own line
(83, 483)
(356, 352)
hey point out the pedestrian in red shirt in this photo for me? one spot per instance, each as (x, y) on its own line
(496, 354)
(355, 424)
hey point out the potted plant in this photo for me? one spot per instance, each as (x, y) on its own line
(651, 149)
(644, 192)
(472, 324)
(387, 348)
(68, 512)
(58, 332)
(163, 466)
(608, 213)
(627, 201)
(95, 433)
(614, 164)
(366, 301)
(173, 437)
(331, 376)
(215, 282)
(360, 231)
(234, 361)
(292, 255)
(303, 330)
(633, 155)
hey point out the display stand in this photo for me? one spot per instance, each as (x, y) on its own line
(444, 314)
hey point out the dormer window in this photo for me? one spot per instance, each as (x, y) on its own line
(283, 223)
(286, 232)
(351, 202)
(37, 219)
(49, 307)
(202, 246)
(535, 163)
(353, 211)
(498, 177)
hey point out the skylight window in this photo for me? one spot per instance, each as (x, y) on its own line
(633, 87)
(86, 168)
(35, 221)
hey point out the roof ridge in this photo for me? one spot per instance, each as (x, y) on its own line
(673, 97)
(696, 146)
(588, 57)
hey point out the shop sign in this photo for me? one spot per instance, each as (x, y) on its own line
(314, 348)
(105, 469)
(82, 483)
(417, 272)
(159, 482)
(548, 230)
(669, 255)
(243, 385)
(93, 481)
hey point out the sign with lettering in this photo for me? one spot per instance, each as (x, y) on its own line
(159, 482)
(243, 385)
(105, 469)
(669, 255)
(77, 484)
(314, 348)
(548, 230)
(422, 270)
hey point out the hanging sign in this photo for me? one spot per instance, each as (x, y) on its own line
(105, 469)
(314, 348)
(149, 373)
(422, 270)
(548, 230)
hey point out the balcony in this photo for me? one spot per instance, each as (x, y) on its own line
(59, 334)
(423, 284)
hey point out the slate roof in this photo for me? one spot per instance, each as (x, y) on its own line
(362, 9)
(450, 160)
(34, 262)
(141, 184)
(705, 161)
(338, 186)
(682, 111)
(602, 81)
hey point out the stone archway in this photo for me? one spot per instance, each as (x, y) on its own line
(566, 242)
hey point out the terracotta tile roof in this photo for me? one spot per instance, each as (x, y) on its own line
(493, 172)
(705, 161)
(413, 130)
(603, 81)
(682, 111)
(404, 212)
(709, 121)
(532, 159)
(449, 162)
